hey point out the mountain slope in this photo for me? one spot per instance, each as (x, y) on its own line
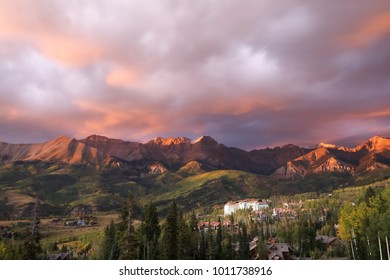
(162, 154)
(97, 173)
(177, 152)
(62, 149)
(372, 155)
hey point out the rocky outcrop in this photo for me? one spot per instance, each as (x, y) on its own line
(376, 143)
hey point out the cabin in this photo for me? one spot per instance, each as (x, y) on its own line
(280, 251)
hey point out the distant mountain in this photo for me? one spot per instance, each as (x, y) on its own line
(162, 154)
(373, 154)
(96, 173)
(63, 149)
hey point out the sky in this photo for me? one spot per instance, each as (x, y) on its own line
(251, 74)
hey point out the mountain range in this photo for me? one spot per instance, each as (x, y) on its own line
(162, 154)
(97, 173)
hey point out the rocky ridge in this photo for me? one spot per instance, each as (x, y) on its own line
(162, 154)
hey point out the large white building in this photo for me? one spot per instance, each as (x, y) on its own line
(256, 205)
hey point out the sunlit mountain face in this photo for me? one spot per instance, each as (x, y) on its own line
(174, 153)
(96, 173)
(254, 75)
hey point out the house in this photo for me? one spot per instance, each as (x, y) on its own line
(327, 242)
(280, 251)
(298, 204)
(284, 212)
(254, 204)
(208, 225)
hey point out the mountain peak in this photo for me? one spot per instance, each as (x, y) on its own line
(376, 143)
(378, 138)
(205, 140)
(97, 138)
(325, 145)
(161, 141)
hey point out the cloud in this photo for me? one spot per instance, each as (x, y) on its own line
(251, 74)
(370, 31)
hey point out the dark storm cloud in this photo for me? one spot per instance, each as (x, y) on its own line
(249, 73)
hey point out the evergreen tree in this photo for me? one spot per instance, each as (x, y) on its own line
(229, 251)
(194, 237)
(171, 233)
(54, 247)
(110, 246)
(32, 249)
(203, 246)
(128, 242)
(253, 228)
(150, 231)
(369, 193)
(243, 251)
(184, 239)
(262, 249)
(219, 238)
(210, 247)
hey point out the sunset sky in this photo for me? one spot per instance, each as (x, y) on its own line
(251, 74)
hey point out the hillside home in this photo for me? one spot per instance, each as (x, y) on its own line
(327, 242)
(280, 251)
(284, 212)
(254, 204)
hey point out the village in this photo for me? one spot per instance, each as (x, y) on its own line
(261, 211)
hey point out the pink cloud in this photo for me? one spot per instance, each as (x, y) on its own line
(250, 74)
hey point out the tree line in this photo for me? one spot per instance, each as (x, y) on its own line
(175, 237)
(362, 217)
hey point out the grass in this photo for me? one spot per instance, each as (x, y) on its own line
(207, 189)
(63, 187)
(17, 199)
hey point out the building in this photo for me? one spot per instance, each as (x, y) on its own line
(280, 251)
(254, 204)
(327, 242)
(284, 212)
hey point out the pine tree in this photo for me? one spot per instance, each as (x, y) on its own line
(128, 242)
(184, 239)
(171, 233)
(262, 249)
(210, 249)
(253, 228)
(218, 251)
(195, 240)
(194, 237)
(110, 246)
(369, 193)
(203, 246)
(243, 251)
(32, 249)
(150, 231)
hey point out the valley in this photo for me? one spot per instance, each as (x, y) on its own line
(92, 177)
